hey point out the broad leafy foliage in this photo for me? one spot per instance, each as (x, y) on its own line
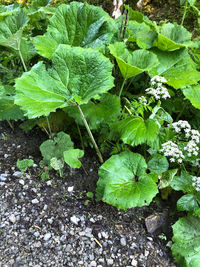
(8, 110)
(186, 247)
(172, 37)
(106, 111)
(132, 63)
(76, 24)
(77, 75)
(11, 29)
(193, 94)
(135, 131)
(124, 183)
(177, 67)
(190, 201)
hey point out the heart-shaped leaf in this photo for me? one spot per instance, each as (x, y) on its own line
(76, 24)
(177, 67)
(71, 157)
(124, 183)
(135, 131)
(172, 36)
(132, 63)
(77, 75)
(11, 29)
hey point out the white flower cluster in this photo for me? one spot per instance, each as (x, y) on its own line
(194, 136)
(191, 148)
(142, 100)
(157, 90)
(171, 150)
(179, 125)
(196, 183)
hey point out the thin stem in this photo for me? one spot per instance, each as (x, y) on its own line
(21, 57)
(183, 167)
(184, 14)
(49, 127)
(10, 124)
(79, 131)
(129, 112)
(90, 134)
(122, 87)
(181, 112)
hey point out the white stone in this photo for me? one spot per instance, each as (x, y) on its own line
(70, 188)
(134, 263)
(74, 219)
(109, 261)
(21, 182)
(47, 236)
(12, 218)
(35, 201)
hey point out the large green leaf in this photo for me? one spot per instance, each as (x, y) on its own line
(8, 10)
(183, 182)
(124, 183)
(11, 29)
(76, 24)
(177, 67)
(172, 37)
(132, 63)
(189, 202)
(135, 131)
(193, 94)
(186, 238)
(142, 34)
(106, 111)
(77, 75)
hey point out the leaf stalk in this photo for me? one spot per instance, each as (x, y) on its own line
(90, 133)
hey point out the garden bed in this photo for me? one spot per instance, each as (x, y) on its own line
(43, 224)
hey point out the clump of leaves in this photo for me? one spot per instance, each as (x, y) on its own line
(24, 164)
(61, 150)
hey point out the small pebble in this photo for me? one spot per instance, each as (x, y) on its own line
(12, 218)
(35, 201)
(47, 236)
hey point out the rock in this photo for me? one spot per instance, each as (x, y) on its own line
(109, 261)
(70, 189)
(134, 262)
(36, 234)
(93, 264)
(50, 221)
(17, 174)
(2, 178)
(12, 218)
(35, 201)
(123, 241)
(47, 236)
(74, 220)
(21, 182)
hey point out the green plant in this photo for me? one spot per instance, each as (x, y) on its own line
(24, 164)
(138, 99)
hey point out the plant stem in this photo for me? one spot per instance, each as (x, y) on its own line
(185, 11)
(79, 131)
(49, 127)
(122, 87)
(21, 57)
(10, 124)
(181, 112)
(90, 133)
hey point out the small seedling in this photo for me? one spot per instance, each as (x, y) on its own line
(24, 164)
